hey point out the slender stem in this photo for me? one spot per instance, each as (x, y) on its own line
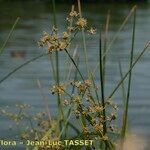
(105, 43)
(102, 88)
(95, 89)
(122, 85)
(65, 124)
(85, 51)
(66, 77)
(116, 35)
(134, 63)
(83, 120)
(70, 70)
(130, 77)
(54, 13)
(84, 40)
(121, 27)
(45, 101)
(60, 110)
(74, 64)
(10, 33)
(75, 77)
(22, 65)
(53, 67)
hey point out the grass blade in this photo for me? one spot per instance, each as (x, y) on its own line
(8, 37)
(134, 63)
(102, 88)
(105, 43)
(74, 64)
(122, 85)
(129, 81)
(116, 36)
(45, 101)
(60, 108)
(21, 66)
(84, 40)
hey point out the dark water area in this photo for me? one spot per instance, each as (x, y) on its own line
(36, 17)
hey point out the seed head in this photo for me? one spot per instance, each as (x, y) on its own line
(81, 23)
(92, 31)
(73, 14)
(98, 127)
(65, 35)
(62, 45)
(77, 100)
(59, 89)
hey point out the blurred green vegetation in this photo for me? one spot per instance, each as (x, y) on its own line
(90, 1)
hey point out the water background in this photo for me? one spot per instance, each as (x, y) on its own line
(37, 17)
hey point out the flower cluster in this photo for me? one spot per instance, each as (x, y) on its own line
(92, 31)
(59, 42)
(85, 105)
(81, 86)
(33, 126)
(81, 23)
(58, 89)
(54, 42)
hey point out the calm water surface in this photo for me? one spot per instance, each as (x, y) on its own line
(22, 87)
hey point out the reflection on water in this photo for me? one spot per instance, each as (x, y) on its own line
(36, 17)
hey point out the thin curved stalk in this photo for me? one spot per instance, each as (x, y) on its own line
(74, 64)
(124, 129)
(115, 36)
(122, 85)
(134, 63)
(8, 37)
(60, 108)
(22, 65)
(105, 44)
(102, 88)
(84, 40)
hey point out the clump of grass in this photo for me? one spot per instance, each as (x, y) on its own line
(83, 106)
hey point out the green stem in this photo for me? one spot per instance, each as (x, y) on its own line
(134, 63)
(130, 76)
(22, 65)
(74, 64)
(116, 35)
(105, 44)
(84, 40)
(60, 113)
(95, 89)
(122, 85)
(102, 88)
(85, 51)
(10, 33)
